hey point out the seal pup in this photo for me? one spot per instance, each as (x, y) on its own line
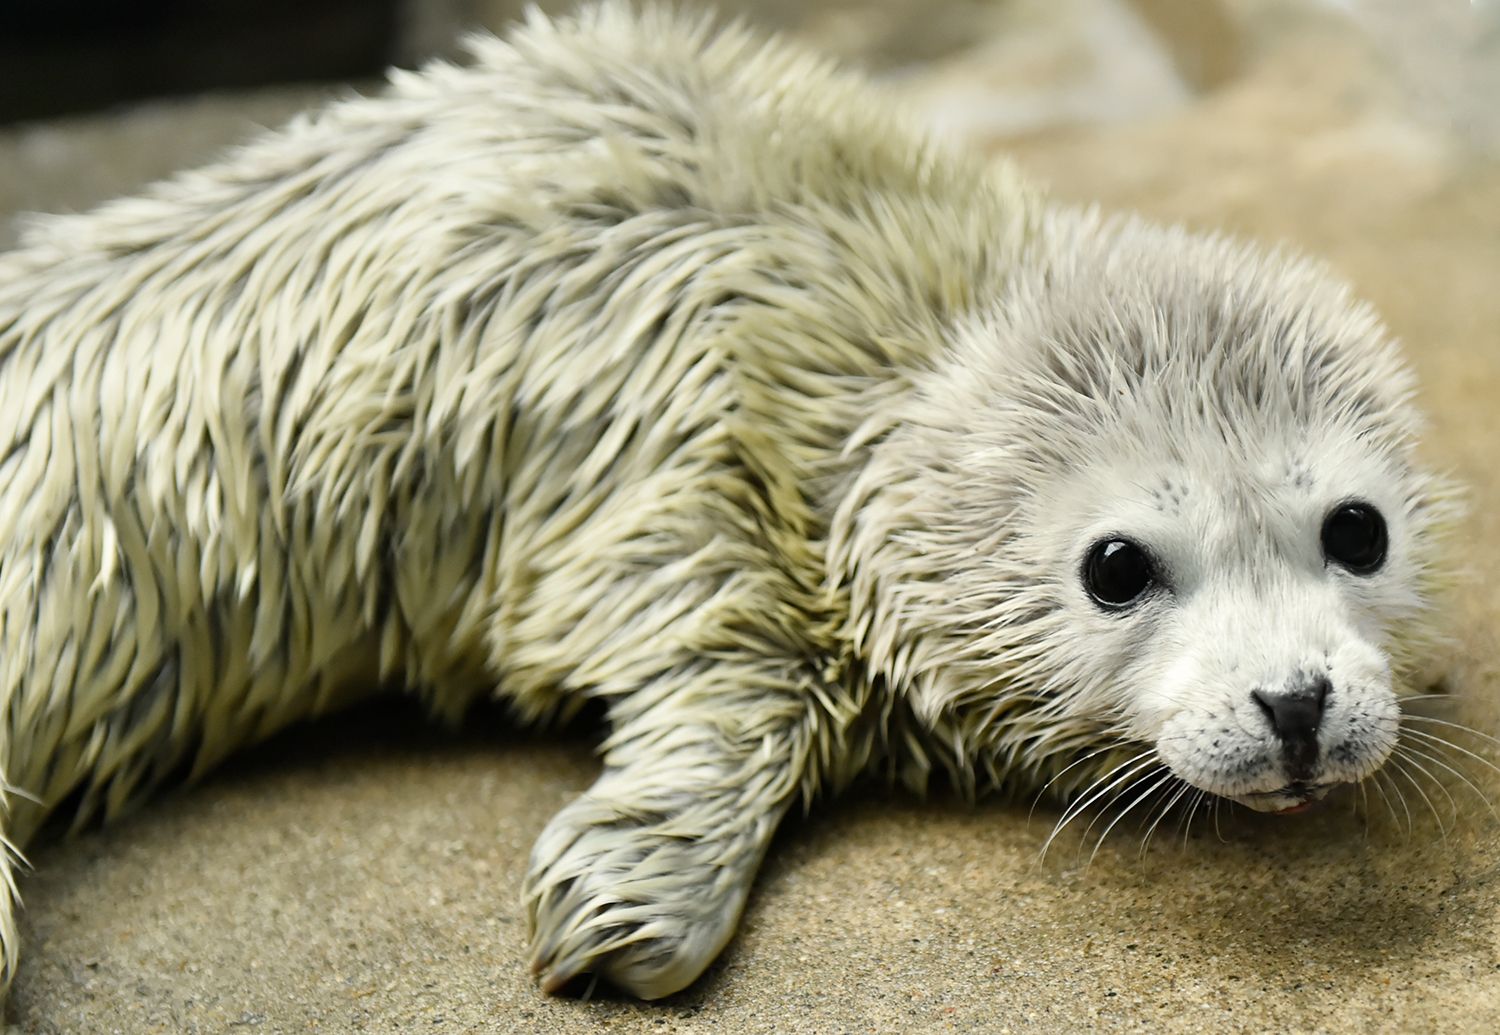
(666, 367)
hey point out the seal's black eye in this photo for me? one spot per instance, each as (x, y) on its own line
(1117, 571)
(1354, 536)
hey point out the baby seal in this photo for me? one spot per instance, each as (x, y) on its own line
(654, 365)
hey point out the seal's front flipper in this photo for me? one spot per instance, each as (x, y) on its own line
(642, 879)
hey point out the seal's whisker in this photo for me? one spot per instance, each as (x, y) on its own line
(1100, 786)
(1166, 809)
(1428, 697)
(1373, 780)
(1146, 754)
(1143, 796)
(1191, 813)
(1157, 813)
(1470, 730)
(1102, 813)
(1170, 798)
(1400, 797)
(1218, 833)
(1090, 795)
(1403, 753)
(1437, 760)
(1072, 765)
(1399, 767)
(1444, 742)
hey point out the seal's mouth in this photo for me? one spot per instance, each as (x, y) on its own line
(1286, 801)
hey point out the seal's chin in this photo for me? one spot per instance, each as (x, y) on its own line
(1286, 801)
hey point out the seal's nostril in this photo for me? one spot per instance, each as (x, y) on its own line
(1293, 716)
(1264, 700)
(1320, 689)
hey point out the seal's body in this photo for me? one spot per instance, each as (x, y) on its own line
(638, 363)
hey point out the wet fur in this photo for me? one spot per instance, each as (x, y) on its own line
(633, 361)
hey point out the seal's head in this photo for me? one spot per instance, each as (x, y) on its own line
(1162, 501)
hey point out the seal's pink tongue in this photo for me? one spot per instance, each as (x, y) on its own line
(1292, 810)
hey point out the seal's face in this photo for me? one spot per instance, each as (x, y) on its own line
(1162, 505)
(1248, 611)
(1239, 534)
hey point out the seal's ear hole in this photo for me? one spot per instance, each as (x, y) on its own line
(1117, 572)
(1355, 537)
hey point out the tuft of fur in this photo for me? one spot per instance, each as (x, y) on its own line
(644, 362)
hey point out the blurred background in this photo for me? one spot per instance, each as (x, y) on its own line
(1427, 71)
(97, 96)
(1272, 118)
(1099, 58)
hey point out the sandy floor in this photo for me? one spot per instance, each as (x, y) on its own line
(364, 875)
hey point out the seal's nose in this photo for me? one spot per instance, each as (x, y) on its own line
(1295, 716)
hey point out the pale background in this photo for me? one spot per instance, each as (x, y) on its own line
(363, 875)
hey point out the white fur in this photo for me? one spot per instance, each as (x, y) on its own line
(643, 363)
